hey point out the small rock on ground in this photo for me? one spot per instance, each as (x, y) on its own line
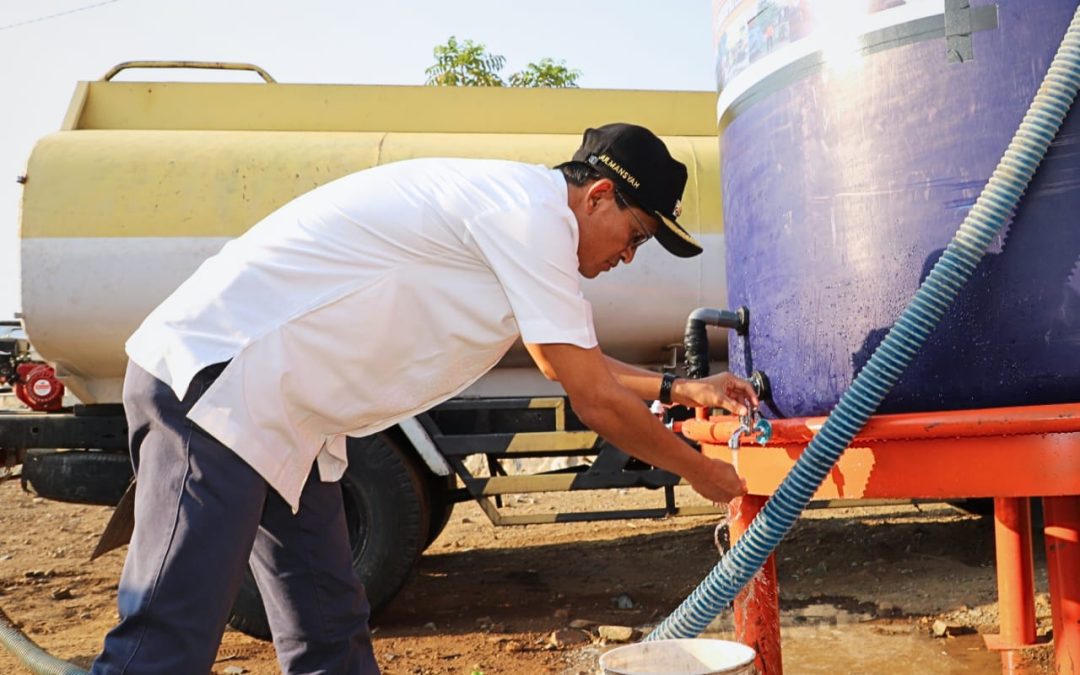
(617, 633)
(565, 637)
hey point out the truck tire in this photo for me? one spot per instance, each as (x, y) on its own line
(439, 488)
(386, 507)
(78, 476)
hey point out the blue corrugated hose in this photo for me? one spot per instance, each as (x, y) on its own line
(32, 656)
(998, 199)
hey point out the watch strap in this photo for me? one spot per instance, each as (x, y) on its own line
(666, 383)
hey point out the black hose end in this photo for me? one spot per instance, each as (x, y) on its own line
(760, 382)
(744, 320)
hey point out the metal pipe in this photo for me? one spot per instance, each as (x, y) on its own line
(206, 65)
(757, 606)
(1061, 518)
(696, 339)
(1015, 578)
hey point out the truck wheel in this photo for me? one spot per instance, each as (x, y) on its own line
(78, 476)
(439, 488)
(386, 507)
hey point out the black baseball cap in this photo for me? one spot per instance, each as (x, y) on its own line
(645, 172)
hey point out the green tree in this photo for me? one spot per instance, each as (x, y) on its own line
(546, 73)
(465, 64)
(469, 64)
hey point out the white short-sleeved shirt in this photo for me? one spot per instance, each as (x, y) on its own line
(367, 301)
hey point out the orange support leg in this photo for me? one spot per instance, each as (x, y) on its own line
(1061, 516)
(1015, 581)
(757, 606)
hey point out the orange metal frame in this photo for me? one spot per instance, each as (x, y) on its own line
(1010, 454)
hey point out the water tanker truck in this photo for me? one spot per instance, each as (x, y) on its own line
(146, 179)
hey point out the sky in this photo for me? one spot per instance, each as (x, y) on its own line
(47, 46)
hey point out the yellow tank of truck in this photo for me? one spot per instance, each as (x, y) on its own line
(147, 179)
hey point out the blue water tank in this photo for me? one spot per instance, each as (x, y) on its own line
(855, 136)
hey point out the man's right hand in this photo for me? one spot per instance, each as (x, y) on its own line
(617, 414)
(717, 481)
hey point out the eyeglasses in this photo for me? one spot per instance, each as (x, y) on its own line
(643, 235)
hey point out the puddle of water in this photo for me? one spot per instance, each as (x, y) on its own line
(871, 649)
(862, 649)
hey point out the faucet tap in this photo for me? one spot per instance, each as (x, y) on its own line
(752, 423)
(736, 438)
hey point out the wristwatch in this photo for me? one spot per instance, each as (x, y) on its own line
(665, 387)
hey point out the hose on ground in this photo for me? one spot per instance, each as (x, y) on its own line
(33, 657)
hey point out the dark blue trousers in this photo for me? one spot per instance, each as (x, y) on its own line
(201, 516)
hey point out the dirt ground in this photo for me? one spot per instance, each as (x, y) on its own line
(860, 589)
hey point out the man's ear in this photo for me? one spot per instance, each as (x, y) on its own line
(601, 189)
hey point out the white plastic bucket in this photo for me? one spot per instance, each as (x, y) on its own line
(680, 657)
